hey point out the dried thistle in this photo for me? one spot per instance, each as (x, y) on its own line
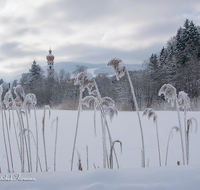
(183, 100)
(88, 99)
(30, 101)
(111, 111)
(7, 98)
(150, 113)
(19, 92)
(107, 101)
(85, 80)
(118, 67)
(169, 92)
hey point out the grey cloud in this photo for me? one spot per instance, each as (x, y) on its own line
(97, 54)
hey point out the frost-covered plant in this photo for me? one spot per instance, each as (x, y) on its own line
(169, 92)
(6, 101)
(18, 106)
(20, 95)
(84, 80)
(46, 107)
(29, 103)
(184, 103)
(55, 140)
(111, 152)
(119, 69)
(4, 136)
(151, 113)
(170, 136)
(189, 128)
(106, 107)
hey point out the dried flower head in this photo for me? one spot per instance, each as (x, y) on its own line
(183, 100)
(87, 101)
(85, 80)
(30, 101)
(111, 111)
(118, 67)
(169, 92)
(107, 101)
(150, 113)
(7, 98)
(19, 92)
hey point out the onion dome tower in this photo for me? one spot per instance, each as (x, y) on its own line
(50, 61)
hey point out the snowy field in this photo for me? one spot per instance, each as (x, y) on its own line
(124, 127)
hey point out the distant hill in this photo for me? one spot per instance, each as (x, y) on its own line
(98, 68)
(93, 68)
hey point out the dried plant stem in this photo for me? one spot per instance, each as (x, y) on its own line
(186, 134)
(43, 134)
(104, 143)
(4, 137)
(137, 109)
(158, 142)
(37, 156)
(19, 115)
(9, 142)
(170, 133)
(36, 148)
(109, 135)
(87, 157)
(29, 143)
(79, 109)
(189, 125)
(16, 134)
(181, 135)
(55, 142)
(111, 150)
(106, 124)
(95, 133)
(24, 141)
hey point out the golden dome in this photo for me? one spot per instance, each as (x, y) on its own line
(50, 57)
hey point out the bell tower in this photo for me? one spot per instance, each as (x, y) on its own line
(50, 62)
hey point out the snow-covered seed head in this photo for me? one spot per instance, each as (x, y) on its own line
(47, 107)
(150, 113)
(174, 128)
(30, 101)
(169, 92)
(85, 80)
(107, 101)
(88, 100)
(19, 92)
(183, 100)
(111, 111)
(118, 67)
(7, 98)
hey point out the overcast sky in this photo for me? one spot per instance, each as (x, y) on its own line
(92, 31)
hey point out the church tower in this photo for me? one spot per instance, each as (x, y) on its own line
(50, 61)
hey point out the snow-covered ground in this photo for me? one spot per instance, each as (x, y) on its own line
(124, 127)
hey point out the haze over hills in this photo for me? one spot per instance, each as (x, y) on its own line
(70, 66)
(99, 68)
